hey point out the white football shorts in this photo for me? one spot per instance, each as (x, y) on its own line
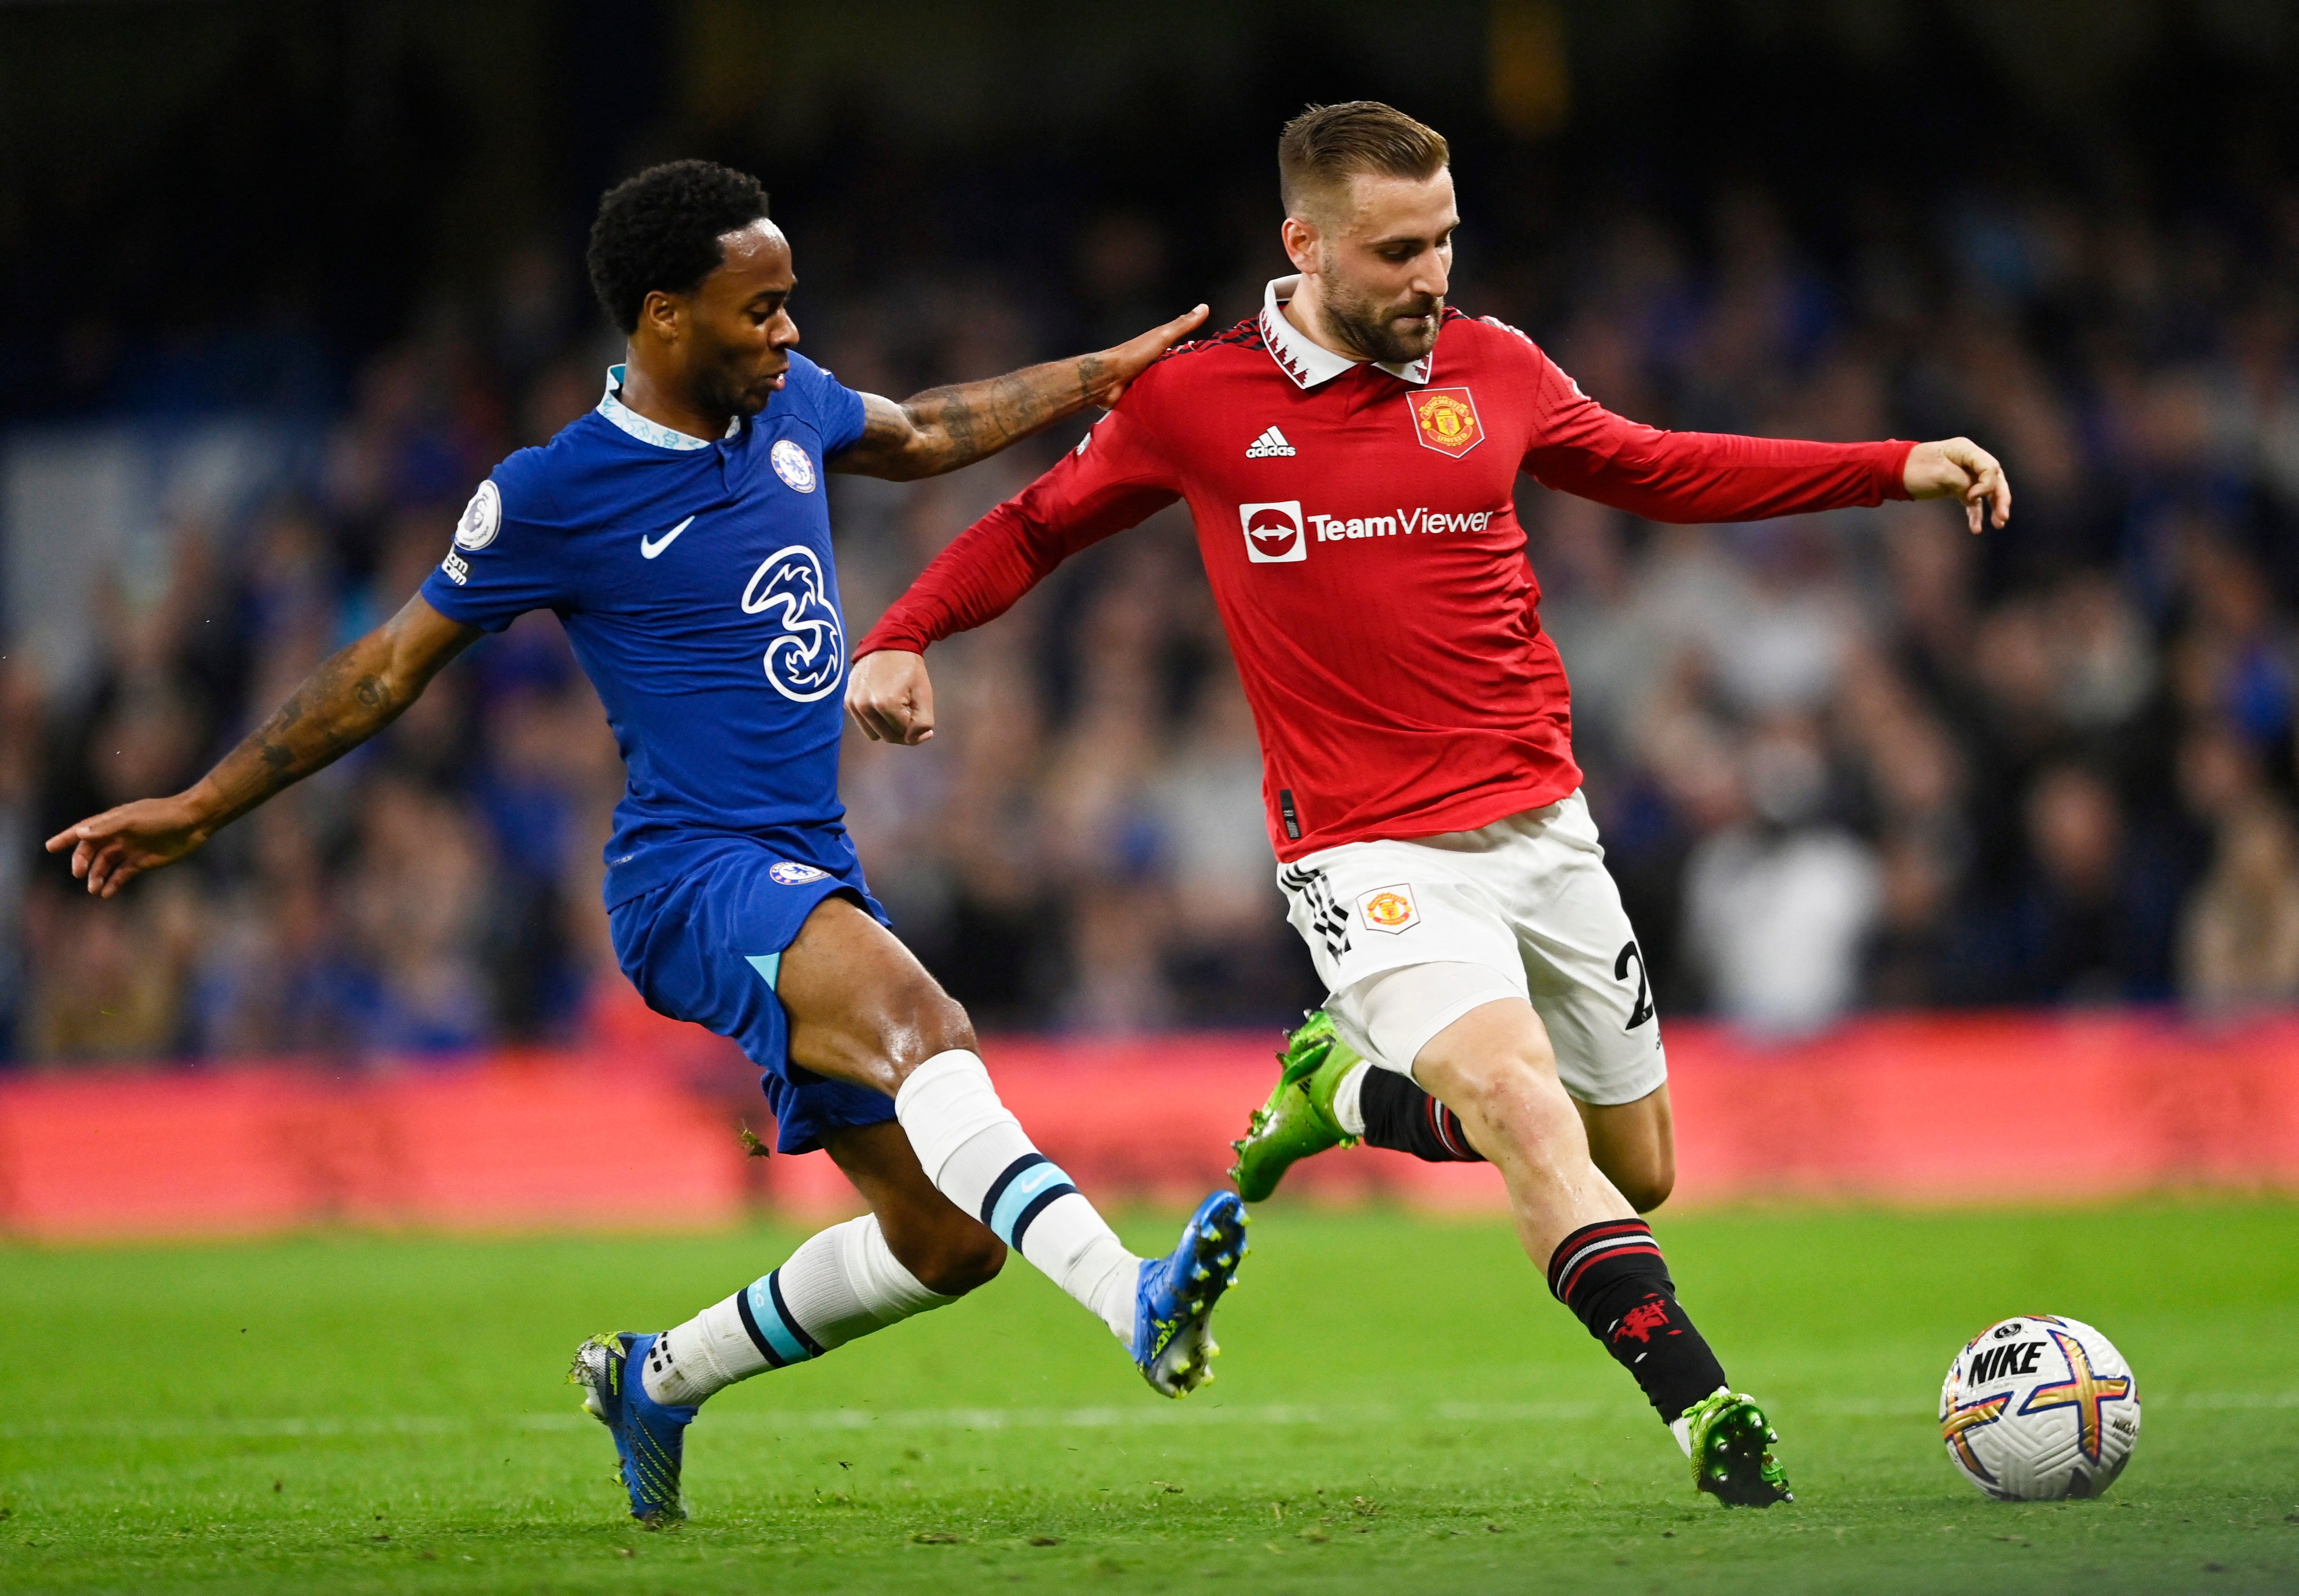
(1409, 935)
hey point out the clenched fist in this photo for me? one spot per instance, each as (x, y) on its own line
(891, 697)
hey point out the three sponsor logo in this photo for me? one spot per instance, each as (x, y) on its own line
(807, 658)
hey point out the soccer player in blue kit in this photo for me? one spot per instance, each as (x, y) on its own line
(680, 532)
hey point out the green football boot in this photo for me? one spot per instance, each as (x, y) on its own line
(1298, 1120)
(1731, 1456)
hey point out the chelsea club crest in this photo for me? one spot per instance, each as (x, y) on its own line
(792, 465)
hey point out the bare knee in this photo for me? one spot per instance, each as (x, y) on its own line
(918, 1022)
(1647, 1185)
(953, 1259)
(1635, 1146)
(1516, 1102)
(861, 1008)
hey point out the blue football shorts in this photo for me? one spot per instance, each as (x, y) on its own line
(707, 948)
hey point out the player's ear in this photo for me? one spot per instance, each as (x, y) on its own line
(663, 314)
(1300, 240)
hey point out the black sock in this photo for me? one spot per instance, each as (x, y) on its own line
(1614, 1279)
(1400, 1116)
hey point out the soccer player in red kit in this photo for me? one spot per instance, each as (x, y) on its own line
(1351, 458)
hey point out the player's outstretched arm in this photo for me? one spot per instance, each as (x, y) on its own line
(1958, 468)
(891, 697)
(945, 429)
(1094, 491)
(351, 697)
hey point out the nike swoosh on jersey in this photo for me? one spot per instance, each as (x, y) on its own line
(648, 547)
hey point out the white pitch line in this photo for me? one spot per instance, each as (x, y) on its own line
(850, 1419)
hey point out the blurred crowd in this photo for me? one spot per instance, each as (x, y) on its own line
(1843, 762)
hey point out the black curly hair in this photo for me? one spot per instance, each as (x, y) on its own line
(660, 229)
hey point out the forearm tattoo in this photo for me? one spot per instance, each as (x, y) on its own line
(956, 425)
(342, 704)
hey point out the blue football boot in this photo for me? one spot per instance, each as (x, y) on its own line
(650, 1437)
(1174, 1305)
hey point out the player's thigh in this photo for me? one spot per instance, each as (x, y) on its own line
(1583, 968)
(861, 1008)
(1397, 1013)
(1494, 1067)
(1634, 1143)
(948, 1249)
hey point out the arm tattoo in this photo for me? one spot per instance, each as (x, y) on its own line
(956, 425)
(346, 701)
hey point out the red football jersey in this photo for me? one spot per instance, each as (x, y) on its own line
(1359, 525)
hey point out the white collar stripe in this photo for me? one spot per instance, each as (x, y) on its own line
(1310, 364)
(611, 406)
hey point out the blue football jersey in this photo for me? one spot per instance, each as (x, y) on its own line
(694, 580)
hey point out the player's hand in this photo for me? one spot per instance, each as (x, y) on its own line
(891, 697)
(1115, 369)
(1959, 468)
(110, 850)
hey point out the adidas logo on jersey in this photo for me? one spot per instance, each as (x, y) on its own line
(1270, 443)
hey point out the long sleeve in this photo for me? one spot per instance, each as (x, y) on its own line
(1111, 481)
(1581, 447)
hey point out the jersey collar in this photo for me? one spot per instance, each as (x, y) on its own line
(1309, 363)
(611, 406)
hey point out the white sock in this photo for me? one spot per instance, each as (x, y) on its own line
(1349, 1113)
(974, 1151)
(841, 1283)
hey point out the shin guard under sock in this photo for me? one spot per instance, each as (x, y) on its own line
(1399, 1115)
(1614, 1279)
(840, 1284)
(975, 1153)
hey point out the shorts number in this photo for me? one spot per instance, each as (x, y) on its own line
(1643, 1011)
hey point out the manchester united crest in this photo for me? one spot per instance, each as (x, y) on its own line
(1446, 420)
(1389, 908)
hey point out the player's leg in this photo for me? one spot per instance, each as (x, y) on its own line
(1495, 1068)
(1586, 974)
(1593, 1042)
(863, 1010)
(1328, 1092)
(1585, 977)
(1634, 1143)
(709, 950)
(1330, 1096)
(912, 1252)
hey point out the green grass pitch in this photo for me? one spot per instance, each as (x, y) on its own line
(1401, 1409)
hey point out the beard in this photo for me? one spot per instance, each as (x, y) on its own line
(1370, 328)
(737, 392)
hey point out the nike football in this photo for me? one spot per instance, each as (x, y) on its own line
(2040, 1407)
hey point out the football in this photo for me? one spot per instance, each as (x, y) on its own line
(2037, 1409)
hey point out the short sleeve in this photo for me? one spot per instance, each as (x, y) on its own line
(837, 410)
(508, 555)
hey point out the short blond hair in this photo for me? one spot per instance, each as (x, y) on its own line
(1326, 146)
